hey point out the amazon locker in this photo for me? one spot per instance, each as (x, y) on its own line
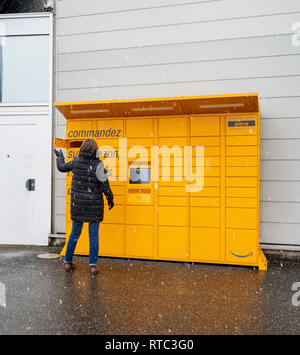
(184, 172)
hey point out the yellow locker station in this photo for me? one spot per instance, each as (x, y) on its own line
(184, 172)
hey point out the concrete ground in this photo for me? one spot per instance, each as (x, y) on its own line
(144, 297)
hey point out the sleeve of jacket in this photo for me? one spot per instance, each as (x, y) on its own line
(64, 167)
(101, 174)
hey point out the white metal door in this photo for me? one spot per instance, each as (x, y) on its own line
(18, 206)
(25, 127)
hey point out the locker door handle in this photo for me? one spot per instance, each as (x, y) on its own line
(30, 184)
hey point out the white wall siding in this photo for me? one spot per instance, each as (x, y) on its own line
(269, 87)
(176, 14)
(190, 52)
(162, 35)
(155, 48)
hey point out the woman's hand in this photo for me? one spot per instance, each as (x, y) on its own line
(59, 153)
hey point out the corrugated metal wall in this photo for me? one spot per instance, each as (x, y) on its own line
(154, 48)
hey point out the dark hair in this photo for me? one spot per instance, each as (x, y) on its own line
(89, 145)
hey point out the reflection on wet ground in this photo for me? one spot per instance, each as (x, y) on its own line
(144, 297)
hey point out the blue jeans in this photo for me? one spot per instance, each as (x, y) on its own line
(94, 242)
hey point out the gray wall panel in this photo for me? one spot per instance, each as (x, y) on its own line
(179, 53)
(266, 87)
(161, 48)
(67, 8)
(278, 149)
(281, 170)
(280, 191)
(203, 31)
(160, 16)
(187, 72)
(281, 128)
(278, 107)
(280, 212)
(280, 233)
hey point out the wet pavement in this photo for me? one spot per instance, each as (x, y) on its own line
(144, 297)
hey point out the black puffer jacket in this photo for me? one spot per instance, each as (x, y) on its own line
(86, 193)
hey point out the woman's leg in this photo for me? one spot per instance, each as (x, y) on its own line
(74, 236)
(94, 243)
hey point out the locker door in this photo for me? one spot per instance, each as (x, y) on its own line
(205, 208)
(242, 183)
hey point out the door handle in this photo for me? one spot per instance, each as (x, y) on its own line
(30, 184)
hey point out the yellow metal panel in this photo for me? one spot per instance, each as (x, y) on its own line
(211, 104)
(172, 191)
(139, 241)
(115, 215)
(241, 161)
(171, 183)
(205, 217)
(173, 242)
(209, 171)
(139, 195)
(72, 153)
(205, 201)
(241, 202)
(107, 145)
(205, 141)
(139, 128)
(79, 129)
(144, 142)
(205, 126)
(211, 181)
(68, 194)
(60, 143)
(205, 244)
(69, 181)
(118, 200)
(241, 182)
(172, 127)
(171, 141)
(136, 154)
(241, 171)
(210, 161)
(241, 192)
(109, 128)
(68, 212)
(172, 201)
(111, 240)
(118, 190)
(241, 151)
(241, 140)
(116, 183)
(172, 216)
(223, 189)
(171, 161)
(171, 172)
(241, 218)
(209, 152)
(139, 215)
(208, 191)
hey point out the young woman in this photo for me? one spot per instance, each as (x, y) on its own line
(89, 182)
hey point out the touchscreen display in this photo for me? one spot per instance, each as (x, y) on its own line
(139, 176)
